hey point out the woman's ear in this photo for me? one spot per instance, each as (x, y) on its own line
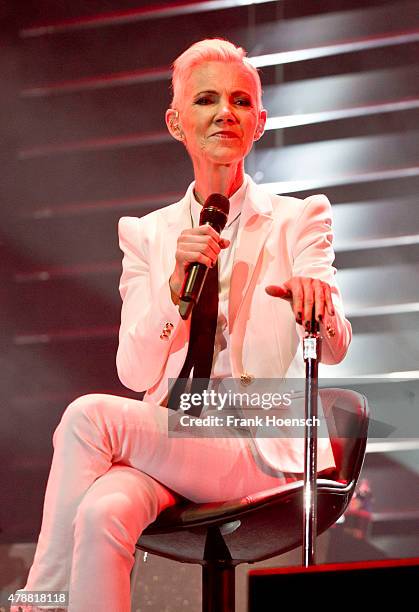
(173, 125)
(260, 128)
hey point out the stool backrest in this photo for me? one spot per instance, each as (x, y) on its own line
(346, 413)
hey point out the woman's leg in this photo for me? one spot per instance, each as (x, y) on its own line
(97, 431)
(114, 512)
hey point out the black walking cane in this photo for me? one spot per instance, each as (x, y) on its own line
(311, 345)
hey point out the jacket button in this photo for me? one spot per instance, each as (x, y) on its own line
(246, 379)
(331, 332)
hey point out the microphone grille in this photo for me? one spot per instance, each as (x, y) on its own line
(217, 200)
(215, 211)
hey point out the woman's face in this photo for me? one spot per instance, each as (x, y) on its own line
(219, 116)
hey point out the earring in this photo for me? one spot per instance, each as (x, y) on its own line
(177, 127)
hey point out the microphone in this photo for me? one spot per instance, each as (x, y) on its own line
(215, 213)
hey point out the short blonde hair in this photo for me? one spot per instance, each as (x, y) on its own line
(209, 50)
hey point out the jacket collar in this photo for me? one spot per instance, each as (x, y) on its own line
(257, 202)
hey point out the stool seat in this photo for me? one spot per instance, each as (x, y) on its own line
(180, 532)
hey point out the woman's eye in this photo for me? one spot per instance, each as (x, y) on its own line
(203, 100)
(243, 102)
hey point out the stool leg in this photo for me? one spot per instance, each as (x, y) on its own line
(218, 574)
(134, 574)
(218, 587)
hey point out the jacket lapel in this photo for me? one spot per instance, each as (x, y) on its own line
(255, 224)
(178, 218)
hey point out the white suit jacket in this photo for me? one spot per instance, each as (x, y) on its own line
(278, 237)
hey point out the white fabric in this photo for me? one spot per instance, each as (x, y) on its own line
(114, 470)
(278, 237)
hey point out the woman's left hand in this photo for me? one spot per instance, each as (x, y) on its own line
(303, 293)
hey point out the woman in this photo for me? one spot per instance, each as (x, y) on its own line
(115, 467)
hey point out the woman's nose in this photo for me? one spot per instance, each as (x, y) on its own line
(225, 113)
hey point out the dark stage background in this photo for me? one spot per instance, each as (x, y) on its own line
(84, 86)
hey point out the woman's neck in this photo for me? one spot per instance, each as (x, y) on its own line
(217, 178)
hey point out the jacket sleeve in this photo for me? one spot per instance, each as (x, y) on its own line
(149, 319)
(313, 256)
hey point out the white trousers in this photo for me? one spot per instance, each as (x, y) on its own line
(113, 471)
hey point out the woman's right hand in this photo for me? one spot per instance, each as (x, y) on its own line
(201, 244)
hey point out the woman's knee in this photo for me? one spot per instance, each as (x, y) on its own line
(79, 411)
(114, 515)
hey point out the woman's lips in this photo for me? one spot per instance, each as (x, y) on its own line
(225, 135)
